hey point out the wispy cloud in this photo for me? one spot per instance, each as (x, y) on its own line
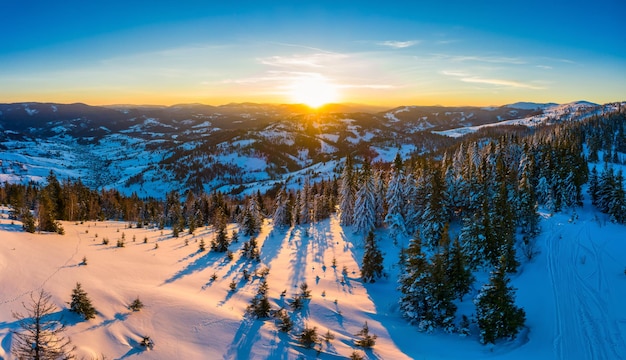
(316, 60)
(501, 82)
(545, 67)
(399, 44)
(483, 59)
(489, 81)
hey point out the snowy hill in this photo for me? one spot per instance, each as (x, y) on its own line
(572, 293)
(549, 114)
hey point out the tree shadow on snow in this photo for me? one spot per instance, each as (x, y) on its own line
(135, 349)
(117, 317)
(11, 228)
(298, 258)
(274, 243)
(246, 336)
(197, 265)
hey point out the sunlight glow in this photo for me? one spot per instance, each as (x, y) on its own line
(313, 91)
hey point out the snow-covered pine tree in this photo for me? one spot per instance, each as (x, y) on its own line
(380, 189)
(413, 200)
(617, 205)
(435, 215)
(460, 276)
(282, 215)
(306, 208)
(413, 281)
(347, 193)
(252, 218)
(527, 215)
(372, 267)
(365, 204)
(497, 315)
(396, 202)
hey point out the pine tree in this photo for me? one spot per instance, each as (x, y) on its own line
(440, 309)
(372, 260)
(496, 313)
(305, 209)
(594, 186)
(395, 205)
(259, 305)
(28, 221)
(252, 218)
(364, 338)
(308, 337)
(461, 277)
(136, 305)
(81, 304)
(365, 203)
(220, 244)
(413, 281)
(282, 216)
(347, 193)
(41, 335)
(434, 216)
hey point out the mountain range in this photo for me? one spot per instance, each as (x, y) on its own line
(150, 150)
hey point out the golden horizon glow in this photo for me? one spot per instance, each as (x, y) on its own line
(313, 91)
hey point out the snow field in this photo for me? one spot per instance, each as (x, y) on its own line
(572, 292)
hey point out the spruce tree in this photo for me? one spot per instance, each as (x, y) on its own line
(81, 304)
(282, 215)
(395, 218)
(365, 203)
(461, 277)
(347, 193)
(364, 338)
(220, 244)
(28, 221)
(372, 260)
(414, 281)
(496, 313)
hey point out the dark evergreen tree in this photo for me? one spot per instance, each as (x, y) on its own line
(414, 282)
(364, 338)
(41, 335)
(496, 313)
(372, 260)
(28, 221)
(259, 305)
(461, 277)
(81, 304)
(220, 244)
(308, 337)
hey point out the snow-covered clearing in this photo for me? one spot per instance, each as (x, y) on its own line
(572, 292)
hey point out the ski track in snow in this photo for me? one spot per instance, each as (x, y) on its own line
(64, 265)
(584, 328)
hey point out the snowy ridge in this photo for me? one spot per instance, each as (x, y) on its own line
(575, 111)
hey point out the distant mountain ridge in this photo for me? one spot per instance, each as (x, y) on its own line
(150, 150)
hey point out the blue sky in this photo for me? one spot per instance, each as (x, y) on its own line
(385, 53)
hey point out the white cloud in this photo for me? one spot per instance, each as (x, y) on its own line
(399, 44)
(316, 60)
(501, 82)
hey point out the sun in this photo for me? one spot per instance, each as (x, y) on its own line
(313, 91)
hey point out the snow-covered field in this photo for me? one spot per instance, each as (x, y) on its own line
(573, 293)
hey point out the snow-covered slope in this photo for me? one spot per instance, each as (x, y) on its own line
(572, 292)
(550, 114)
